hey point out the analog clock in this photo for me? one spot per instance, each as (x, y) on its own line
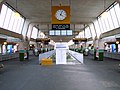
(60, 14)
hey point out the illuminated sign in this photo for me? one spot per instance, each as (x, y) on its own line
(60, 26)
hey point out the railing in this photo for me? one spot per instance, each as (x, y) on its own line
(9, 56)
(109, 54)
(76, 55)
(112, 55)
(45, 55)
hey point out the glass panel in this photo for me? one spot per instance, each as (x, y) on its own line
(92, 30)
(15, 24)
(69, 32)
(114, 18)
(100, 24)
(87, 32)
(103, 24)
(29, 32)
(117, 9)
(2, 15)
(57, 32)
(21, 25)
(98, 32)
(107, 23)
(51, 32)
(11, 21)
(63, 32)
(18, 25)
(24, 29)
(7, 19)
(34, 33)
(110, 21)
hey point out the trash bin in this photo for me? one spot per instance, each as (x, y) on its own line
(101, 54)
(21, 55)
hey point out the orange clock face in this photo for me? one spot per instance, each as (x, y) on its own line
(60, 14)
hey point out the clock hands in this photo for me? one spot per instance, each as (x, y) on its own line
(61, 13)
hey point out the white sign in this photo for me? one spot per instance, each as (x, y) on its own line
(60, 56)
(61, 50)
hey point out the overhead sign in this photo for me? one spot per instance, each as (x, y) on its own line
(60, 26)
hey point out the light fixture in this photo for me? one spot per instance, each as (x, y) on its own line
(17, 44)
(117, 42)
(5, 43)
(105, 43)
(105, 14)
(16, 13)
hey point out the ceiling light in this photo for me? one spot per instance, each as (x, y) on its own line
(105, 43)
(17, 44)
(105, 14)
(117, 42)
(5, 43)
(17, 14)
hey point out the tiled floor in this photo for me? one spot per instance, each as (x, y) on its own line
(29, 75)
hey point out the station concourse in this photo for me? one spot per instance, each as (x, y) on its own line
(59, 45)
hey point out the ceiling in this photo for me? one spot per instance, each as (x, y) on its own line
(82, 12)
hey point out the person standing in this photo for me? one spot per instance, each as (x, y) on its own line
(26, 53)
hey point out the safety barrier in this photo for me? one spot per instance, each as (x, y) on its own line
(45, 55)
(112, 55)
(46, 61)
(109, 54)
(8, 56)
(76, 55)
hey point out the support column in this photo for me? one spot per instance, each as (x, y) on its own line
(1, 2)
